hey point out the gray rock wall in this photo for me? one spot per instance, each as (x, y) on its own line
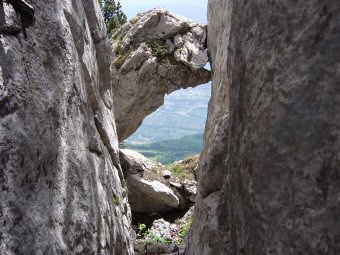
(270, 175)
(60, 190)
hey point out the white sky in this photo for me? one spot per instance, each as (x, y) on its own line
(199, 3)
(193, 9)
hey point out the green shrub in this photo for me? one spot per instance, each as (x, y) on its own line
(158, 48)
(142, 229)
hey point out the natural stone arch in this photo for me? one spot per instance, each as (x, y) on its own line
(156, 53)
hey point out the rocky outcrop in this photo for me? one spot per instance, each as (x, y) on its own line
(269, 181)
(156, 53)
(60, 186)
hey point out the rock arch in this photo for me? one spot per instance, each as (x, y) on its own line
(156, 53)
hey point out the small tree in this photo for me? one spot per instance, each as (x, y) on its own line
(113, 15)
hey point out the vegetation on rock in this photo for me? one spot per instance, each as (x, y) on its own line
(120, 59)
(135, 19)
(158, 48)
(185, 168)
(184, 230)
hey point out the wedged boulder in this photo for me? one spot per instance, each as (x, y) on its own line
(134, 162)
(149, 190)
(155, 54)
(147, 197)
(145, 190)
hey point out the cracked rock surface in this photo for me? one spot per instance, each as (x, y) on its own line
(155, 54)
(60, 185)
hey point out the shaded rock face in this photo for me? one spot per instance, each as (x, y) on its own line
(59, 162)
(269, 181)
(155, 54)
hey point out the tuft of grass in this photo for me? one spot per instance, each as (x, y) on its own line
(134, 20)
(184, 231)
(178, 170)
(116, 201)
(185, 169)
(156, 239)
(120, 38)
(120, 59)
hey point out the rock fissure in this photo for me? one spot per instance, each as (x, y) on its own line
(114, 154)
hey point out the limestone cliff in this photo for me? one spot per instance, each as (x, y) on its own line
(269, 180)
(156, 53)
(59, 170)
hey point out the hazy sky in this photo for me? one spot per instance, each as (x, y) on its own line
(193, 9)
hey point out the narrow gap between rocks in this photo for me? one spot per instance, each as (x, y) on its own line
(160, 163)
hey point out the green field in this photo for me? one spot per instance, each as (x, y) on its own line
(168, 151)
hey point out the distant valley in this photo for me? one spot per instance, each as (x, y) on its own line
(169, 151)
(180, 121)
(183, 113)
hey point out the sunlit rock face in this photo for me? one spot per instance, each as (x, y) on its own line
(269, 179)
(60, 189)
(155, 54)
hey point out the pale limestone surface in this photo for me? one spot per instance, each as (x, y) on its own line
(59, 165)
(150, 196)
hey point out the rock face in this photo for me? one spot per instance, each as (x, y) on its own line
(270, 177)
(156, 53)
(61, 191)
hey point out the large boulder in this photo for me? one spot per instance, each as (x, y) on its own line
(149, 190)
(150, 196)
(146, 188)
(61, 187)
(269, 179)
(155, 54)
